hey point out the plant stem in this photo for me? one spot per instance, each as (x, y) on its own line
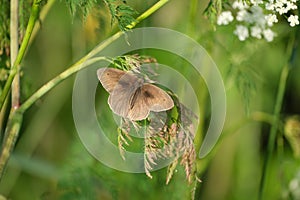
(14, 69)
(274, 127)
(3, 117)
(42, 15)
(14, 46)
(10, 137)
(201, 164)
(147, 13)
(81, 64)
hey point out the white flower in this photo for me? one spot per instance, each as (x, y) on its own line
(282, 1)
(242, 32)
(256, 2)
(279, 4)
(270, 5)
(269, 35)
(225, 18)
(284, 6)
(282, 10)
(240, 5)
(293, 19)
(271, 19)
(242, 15)
(291, 6)
(256, 32)
(255, 17)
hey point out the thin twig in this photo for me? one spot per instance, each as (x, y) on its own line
(83, 63)
(42, 16)
(147, 13)
(10, 137)
(14, 47)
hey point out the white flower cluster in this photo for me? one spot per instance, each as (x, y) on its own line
(256, 17)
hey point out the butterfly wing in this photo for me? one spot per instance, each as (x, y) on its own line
(121, 87)
(120, 98)
(138, 109)
(109, 77)
(148, 98)
(156, 99)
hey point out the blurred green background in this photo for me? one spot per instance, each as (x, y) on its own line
(50, 162)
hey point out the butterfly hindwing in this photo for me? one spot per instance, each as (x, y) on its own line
(156, 99)
(138, 109)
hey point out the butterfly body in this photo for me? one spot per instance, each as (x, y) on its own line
(130, 97)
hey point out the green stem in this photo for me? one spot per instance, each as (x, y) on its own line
(81, 64)
(274, 127)
(147, 13)
(42, 15)
(14, 69)
(14, 46)
(10, 137)
(201, 164)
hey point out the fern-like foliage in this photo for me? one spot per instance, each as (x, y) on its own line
(120, 11)
(83, 6)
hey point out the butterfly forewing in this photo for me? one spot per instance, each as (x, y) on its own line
(121, 97)
(109, 77)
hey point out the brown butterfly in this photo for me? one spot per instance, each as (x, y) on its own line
(130, 97)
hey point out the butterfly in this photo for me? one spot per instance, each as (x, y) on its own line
(130, 97)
